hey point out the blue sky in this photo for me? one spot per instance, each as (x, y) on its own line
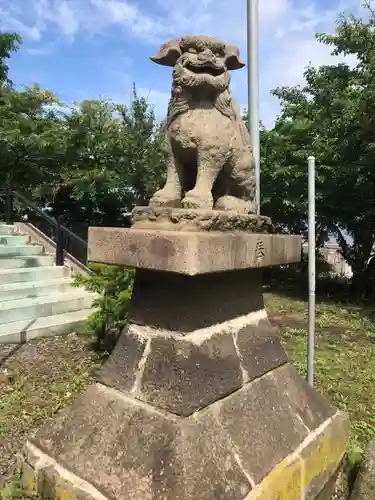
(85, 49)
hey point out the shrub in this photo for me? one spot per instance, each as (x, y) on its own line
(114, 284)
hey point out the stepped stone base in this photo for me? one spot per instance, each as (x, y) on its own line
(258, 443)
(197, 402)
(121, 448)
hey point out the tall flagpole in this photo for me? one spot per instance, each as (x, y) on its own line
(312, 273)
(253, 87)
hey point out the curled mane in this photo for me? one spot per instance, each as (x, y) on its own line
(180, 102)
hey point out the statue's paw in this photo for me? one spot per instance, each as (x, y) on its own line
(165, 198)
(232, 204)
(196, 199)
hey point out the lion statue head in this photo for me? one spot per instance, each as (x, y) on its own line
(201, 66)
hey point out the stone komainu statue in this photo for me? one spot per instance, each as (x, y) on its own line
(211, 164)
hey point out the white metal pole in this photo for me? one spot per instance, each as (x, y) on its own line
(312, 274)
(253, 87)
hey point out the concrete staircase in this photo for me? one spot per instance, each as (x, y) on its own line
(36, 297)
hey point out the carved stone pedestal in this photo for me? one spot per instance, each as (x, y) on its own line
(198, 400)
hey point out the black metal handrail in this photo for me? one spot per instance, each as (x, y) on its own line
(61, 232)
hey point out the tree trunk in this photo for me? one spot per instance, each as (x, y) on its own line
(358, 254)
(362, 282)
(370, 287)
(359, 281)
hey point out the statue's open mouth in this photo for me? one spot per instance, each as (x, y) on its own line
(206, 69)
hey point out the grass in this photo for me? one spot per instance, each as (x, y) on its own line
(44, 376)
(345, 358)
(36, 380)
(13, 489)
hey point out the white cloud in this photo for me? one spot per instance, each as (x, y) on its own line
(66, 19)
(273, 11)
(287, 30)
(31, 21)
(294, 47)
(12, 19)
(293, 63)
(146, 20)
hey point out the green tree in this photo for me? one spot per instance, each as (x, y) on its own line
(333, 117)
(91, 162)
(9, 42)
(29, 132)
(113, 161)
(283, 180)
(284, 152)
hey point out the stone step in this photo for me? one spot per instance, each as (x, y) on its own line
(12, 291)
(6, 229)
(58, 303)
(25, 274)
(14, 239)
(48, 326)
(20, 251)
(26, 261)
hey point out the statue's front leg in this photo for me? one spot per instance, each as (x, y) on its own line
(210, 163)
(170, 194)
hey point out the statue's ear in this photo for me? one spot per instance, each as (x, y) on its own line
(168, 54)
(232, 58)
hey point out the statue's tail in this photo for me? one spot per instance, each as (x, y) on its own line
(243, 176)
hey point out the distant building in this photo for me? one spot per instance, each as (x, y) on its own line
(332, 255)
